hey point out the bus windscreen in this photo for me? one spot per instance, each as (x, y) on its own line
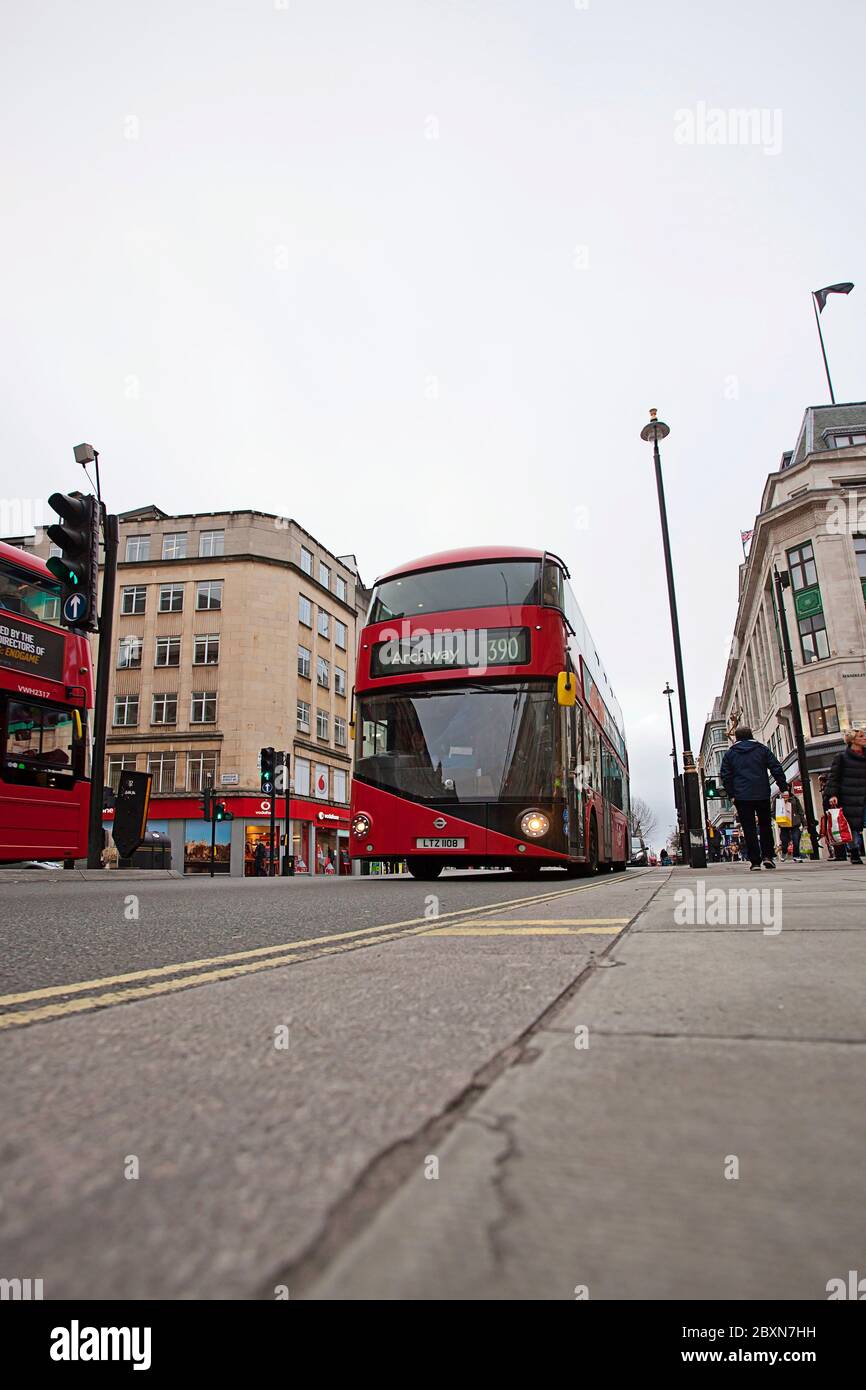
(476, 743)
(492, 584)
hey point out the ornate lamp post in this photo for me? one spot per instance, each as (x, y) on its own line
(694, 847)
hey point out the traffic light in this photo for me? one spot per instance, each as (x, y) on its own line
(713, 791)
(221, 811)
(77, 566)
(206, 803)
(267, 761)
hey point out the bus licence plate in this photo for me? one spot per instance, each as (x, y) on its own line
(439, 842)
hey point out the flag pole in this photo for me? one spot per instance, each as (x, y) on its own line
(823, 349)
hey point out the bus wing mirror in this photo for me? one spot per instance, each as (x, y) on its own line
(566, 688)
(352, 716)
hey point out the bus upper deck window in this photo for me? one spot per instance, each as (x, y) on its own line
(553, 586)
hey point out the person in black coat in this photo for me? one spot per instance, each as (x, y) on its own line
(745, 773)
(846, 787)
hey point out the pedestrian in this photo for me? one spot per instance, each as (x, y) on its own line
(745, 772)
(259, 856)
(664, 859)
(846, 787)
(789, 835)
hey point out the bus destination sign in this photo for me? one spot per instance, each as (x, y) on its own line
(473, 649)
(30, 649)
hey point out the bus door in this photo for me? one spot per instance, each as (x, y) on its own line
(575, 782)
(607, 852)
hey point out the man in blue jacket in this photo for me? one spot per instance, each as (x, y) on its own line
(745, 776)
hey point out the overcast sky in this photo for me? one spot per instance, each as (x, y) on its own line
(413, 272)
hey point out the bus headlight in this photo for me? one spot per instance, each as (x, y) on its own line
(534, 824)
(361, 825)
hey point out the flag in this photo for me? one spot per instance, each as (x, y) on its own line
(746, 536)
(845, 287)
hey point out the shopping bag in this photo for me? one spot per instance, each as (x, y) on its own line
(837, 824)
(806, 845)
(783, 812)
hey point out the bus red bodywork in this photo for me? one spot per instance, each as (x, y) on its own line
(587, 828)
(46, 691)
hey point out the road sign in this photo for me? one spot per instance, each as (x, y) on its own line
(75, 609)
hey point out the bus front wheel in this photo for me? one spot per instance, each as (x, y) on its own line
(424, 868)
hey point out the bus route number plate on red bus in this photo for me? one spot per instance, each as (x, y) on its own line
(458, 649)
(439, 842)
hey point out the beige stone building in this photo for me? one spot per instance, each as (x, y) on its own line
(234, 631)
(812, 525)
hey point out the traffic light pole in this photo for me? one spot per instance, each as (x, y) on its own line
(111, 533)
(212, 835)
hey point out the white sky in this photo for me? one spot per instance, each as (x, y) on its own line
(413, 272)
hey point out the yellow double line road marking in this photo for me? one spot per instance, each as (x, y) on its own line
(238, 963)
(537, 926)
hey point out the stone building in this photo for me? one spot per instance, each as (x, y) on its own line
(812, 526)
(233, 631)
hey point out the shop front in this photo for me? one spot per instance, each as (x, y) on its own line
(316, 835)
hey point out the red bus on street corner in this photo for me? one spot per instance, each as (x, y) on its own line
(46, 691)
(486, 731)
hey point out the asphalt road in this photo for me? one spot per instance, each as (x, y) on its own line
(215, 1085)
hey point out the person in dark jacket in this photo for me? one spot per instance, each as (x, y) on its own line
(846, 787)
(745, 774)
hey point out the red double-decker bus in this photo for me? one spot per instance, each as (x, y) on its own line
(46, 690)
(486, 731)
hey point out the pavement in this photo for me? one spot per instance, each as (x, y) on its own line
(637, 1086)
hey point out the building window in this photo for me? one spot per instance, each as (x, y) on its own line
(206, 649)
(341, 588)
(171, 598)
(133, 598)
(801, 563)
(321, 723)
(324, 575)
(304, 662)
(162, 767)
(209, 594)
(843, 441)
(813, 638)
(324, 623)
(164, 709)
(199, 768)
(129, 653)
(340, 633)
(305, 610)
(138, 547)
(306, 561)
(125, 763)
(125, 709)
(302, 777)
(212, 543)
(174, 546)
(167, 651)
(823, 714)
(860, 552)
(203, 707)
(323, 673)
(339, 781)
(339, 731)
(303, 717)
(339, 680)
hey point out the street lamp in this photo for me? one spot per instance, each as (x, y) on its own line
(678, 791)
(694, 847)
